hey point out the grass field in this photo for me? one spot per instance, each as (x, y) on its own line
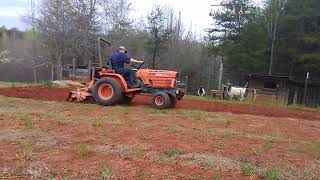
(57, 140)
(23, 84)
(250, 102)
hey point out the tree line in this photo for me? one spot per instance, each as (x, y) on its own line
(280, 38)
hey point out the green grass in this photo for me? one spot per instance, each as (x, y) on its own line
(195, 114)
(140, 153)
(227, 120)
(275, 173)
(28, 149)
(217, 177)
(251, 102)
(82, 149)
(172, 153)
(301, 107)
(96, 123)
(141, 175)
(308, 148)
(23, 84)
(270, 146)
(27, 121)
(105, 171)
(247, 169)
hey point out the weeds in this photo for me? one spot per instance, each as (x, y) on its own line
(141, 175)
(270, 146)
(96, 123)
(172, 153)
(200, 115)
(122, 122)
(217, 177)
(105, 171)
(247, 169)
(27, 121)
(156, 111)
(256, 150)
(140, 153)
(309, 148)
(274, 173)
(228, 133)
(142, 136)
(27, 149)
(82, 149)
(226, 120)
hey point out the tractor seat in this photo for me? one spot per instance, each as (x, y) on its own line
(108, 69)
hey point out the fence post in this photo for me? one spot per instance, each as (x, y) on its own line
(89, 68)
(220, 76)
(186, 84)
(74, 68)
(52, 73)
(305, 89)
(35, 75)
(295, 97)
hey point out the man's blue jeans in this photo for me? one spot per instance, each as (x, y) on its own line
(129, 75)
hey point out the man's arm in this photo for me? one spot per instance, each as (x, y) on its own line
(136, 61)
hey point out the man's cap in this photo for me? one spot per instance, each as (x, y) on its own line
(122, 48)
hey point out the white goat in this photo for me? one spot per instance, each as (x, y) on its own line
(234, 91)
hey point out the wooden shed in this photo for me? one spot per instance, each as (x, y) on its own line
(269, 88)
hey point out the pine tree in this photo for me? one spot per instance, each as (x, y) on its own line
(299, 36)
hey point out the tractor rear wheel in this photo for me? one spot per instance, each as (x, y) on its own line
(107, 92)
(161, 100)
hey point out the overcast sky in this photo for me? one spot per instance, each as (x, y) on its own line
(194, 12)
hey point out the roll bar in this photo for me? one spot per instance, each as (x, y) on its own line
(99, 48)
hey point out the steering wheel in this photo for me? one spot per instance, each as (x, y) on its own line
(137, 67)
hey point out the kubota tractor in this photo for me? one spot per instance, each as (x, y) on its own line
(108, 88)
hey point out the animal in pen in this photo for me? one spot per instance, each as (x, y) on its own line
(236, 91)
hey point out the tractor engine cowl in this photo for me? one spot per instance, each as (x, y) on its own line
(158, 78)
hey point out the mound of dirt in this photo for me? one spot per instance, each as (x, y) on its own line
(38, 93)
(61, 94)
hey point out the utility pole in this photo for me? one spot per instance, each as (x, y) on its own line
(305, 89)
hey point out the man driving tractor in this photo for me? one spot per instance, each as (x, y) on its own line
(117, 61)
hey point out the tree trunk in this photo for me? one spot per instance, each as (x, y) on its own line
(59, 66)
(272, 47)
(154, 56)
(274, 33)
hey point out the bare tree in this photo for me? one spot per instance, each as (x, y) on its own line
(86, 26)
(53, 21)
(117, 20)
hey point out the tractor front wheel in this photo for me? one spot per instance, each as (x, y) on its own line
(161, 100)
(107, 92)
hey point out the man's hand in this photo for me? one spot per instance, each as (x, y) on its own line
(136, 61)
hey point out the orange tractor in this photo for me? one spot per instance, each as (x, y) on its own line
(109, 88)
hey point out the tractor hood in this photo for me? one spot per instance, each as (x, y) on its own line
(157, 73)
(158, 78)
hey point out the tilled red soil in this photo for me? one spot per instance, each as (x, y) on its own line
(60, 94)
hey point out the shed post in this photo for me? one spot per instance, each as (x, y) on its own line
(220, 76)
(305, 90)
